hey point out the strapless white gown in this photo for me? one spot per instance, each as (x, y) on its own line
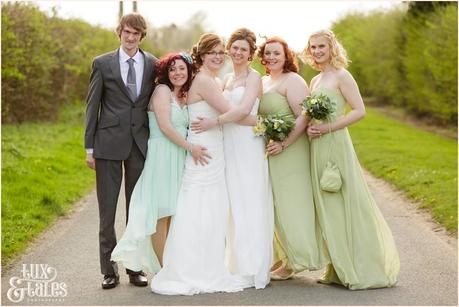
(250, 234)
(194, 255)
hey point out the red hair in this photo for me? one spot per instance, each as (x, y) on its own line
(291, 63)
(162, 67)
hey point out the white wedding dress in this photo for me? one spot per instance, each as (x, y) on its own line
(194, 255)
(250, 233)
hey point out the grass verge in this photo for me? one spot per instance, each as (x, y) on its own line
(43, 174)
(420, 163)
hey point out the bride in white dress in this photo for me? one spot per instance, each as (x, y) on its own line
(194, 255)
(250, 235)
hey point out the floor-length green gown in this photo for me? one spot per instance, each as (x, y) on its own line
(360, 244)
(297, 238)
(155, 193)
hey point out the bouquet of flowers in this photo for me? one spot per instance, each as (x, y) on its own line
(318, 107)
(274, 128)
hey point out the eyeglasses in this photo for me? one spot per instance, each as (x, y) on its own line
(215, 53)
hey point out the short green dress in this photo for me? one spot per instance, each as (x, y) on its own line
(297, 239)
(360, 244)
(155, 194)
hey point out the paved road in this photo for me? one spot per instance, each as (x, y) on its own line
(428, 266)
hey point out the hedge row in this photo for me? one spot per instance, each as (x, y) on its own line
(46, 61)
(406, 56)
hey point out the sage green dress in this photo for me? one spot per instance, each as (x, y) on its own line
(297, 238)
(155, 193)
(360, 244)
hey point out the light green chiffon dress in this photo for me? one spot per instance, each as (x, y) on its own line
(155, 194)
(297, 239)
(360, 244)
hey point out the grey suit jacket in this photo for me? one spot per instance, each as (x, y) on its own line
(113, 120)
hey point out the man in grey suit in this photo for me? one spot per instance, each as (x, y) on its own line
(117, 132)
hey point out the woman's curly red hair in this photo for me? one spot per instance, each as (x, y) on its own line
(291, 63)
(162, 67)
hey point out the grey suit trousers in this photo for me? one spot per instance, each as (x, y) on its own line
(109, 174)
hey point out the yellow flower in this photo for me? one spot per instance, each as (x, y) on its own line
(259, 129)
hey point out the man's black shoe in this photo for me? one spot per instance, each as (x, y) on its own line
(110, 281)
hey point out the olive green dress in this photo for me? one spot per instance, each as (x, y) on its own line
(297, 239)
(360, 244)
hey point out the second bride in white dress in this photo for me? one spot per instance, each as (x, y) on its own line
(251, 228)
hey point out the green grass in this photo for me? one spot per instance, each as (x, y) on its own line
(43, 174)
(420, 163)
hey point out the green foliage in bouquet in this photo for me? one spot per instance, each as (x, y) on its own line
(274, 127)
(318, 107)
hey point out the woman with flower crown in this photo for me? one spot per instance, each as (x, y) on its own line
(154, 197)
(360, 244)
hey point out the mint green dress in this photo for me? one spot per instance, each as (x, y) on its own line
(297, 239)
(360, 244)
(155, 194)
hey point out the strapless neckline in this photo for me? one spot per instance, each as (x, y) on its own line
(326, 89)
(274, 93)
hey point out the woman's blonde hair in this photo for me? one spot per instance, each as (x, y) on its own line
(338, 55)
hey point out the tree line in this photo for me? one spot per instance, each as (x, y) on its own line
(46, 60)
(406, 56)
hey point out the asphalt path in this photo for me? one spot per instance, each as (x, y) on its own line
(428, 273)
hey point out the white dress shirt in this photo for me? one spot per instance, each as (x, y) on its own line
(139, 63)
